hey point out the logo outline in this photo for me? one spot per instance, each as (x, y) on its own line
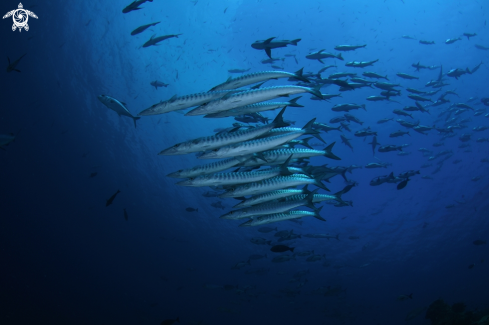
(20, 17)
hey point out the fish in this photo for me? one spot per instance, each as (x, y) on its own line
(452, 40)
(348, 47)
(426, 42)
(126, 217)
(206, 169)
(402, 184)
(406, 76)
(407, 37)
(321, 55)
(469, 35)
(272, 184)
(238, 70)
(456, 73)
(224, 139)
(347, 107)
(142, 28)
(270, 196)
(481, 47)
(281, 249)
(276, 217)
(388, 148)
(192, 210)
(153, 41)
(346, 141)
(134, 6)
(12, 66)
(270, 44)
(325, 236)
(157, 84)
(254, 108)
(282, 258)
(418, 66)
(111, 199)
(358, 64)
(183, 102)
(234, 100)
(398, 133)
(117, 106)
(374, 75)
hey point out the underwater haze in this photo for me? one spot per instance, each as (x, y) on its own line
(94, 231)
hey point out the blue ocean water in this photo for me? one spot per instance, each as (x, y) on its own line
(67, 258)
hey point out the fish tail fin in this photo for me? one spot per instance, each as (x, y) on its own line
(340, 57)
(363, 106)
(305, 143)
(292, 249)
(305, 190)
(298, 75)
(178, 319)
(316, 214)
(8, 60)
(316, 91)
(410, 296)
(343, 191)
(337, 237)
(135, 119)
(319, 183)
(295, 41)
(293, 102)
(279, 121)
(284, 171)
(329, 154)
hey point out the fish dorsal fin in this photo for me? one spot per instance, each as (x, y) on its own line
(320, 51)
(174, 97)
(125, 105)
(229, 79)
(267, 41)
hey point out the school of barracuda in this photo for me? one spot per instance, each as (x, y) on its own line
(267, 166)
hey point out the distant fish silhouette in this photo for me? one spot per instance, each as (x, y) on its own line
(111, 199)
(125, 215)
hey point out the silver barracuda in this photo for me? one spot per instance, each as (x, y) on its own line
(294, 214)
(307, 129)
(278, 156)
(270, 196)
(268, 208)
(223, 139)
(207, 168)
(255, 77)
(182, 102)
(248, 97)
(250, 147)
(321, 197)
(236, 178)
(272, 184)
(255, 108)
(258, 145)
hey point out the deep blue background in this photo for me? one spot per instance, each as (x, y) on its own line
(67, 259)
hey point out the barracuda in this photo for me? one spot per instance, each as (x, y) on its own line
(270, 196)
(223, 139)
(278, 156)
(307, 129)
(294, 214)
(269, 208)
(250, 147)
(244, 98)
(251, 78)
(272, 184)
(255, 108)
(236, 178)
(321, 197)
(182, 102)
(257, 145)
(207, 168)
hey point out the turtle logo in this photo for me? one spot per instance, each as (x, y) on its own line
(20, 17)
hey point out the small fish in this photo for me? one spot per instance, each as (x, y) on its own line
(402, 184)
(111, 199)
(471, 266)
(125, 214)
(281, 248)
(479, 242)
(141, 29)
(192, 210)
(92, 175)
(12, 66)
